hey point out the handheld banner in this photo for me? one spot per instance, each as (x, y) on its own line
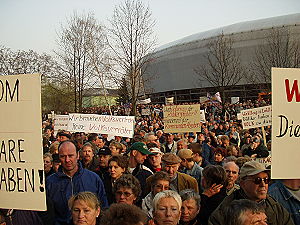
(22, 184)
(285, 123)
(103, 124)
(182, 118)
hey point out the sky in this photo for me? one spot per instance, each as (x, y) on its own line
(34, 24)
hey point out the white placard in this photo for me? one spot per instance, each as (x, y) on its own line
(285, 123)
(257, 117)
(103, 124)
(60, 123)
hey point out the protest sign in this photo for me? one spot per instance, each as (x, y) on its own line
(257, 117)
(202, 116)
(285, 123)
(235, 100)
(267, 161)
(22, 184)
(203, 99)
(103, 124)
(182, 118)
(146, 112)
(60, 123)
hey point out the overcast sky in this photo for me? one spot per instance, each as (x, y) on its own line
(33, 24)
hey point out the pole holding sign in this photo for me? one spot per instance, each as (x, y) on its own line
(22, 184)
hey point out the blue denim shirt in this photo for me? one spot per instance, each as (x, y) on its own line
(286, 199)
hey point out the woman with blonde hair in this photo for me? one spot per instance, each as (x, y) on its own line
(85, 208)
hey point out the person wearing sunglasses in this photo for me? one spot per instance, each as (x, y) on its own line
(254, 183)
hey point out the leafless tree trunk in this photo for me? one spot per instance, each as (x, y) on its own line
(77, 43)
(277, 50)
(131, 41)
(222, 66)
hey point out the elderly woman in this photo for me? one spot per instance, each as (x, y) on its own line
(117, 166)
(89, 160)
(85, 208)
(167, 205)
(190, 207)
(127, 189)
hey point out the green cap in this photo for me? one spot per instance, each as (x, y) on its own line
(141, 147)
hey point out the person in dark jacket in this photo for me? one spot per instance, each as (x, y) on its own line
(71, 179)
(254, 180)
(138, 154)
(214, 183)
(256, 149)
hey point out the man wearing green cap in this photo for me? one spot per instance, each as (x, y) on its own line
(254, 183)
(138, 154)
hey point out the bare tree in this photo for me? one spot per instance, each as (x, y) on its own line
(26, 62)
(222, 66)
(80, 41)
(131, 40)
(277, 50)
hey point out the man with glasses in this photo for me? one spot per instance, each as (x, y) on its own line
(254, 182)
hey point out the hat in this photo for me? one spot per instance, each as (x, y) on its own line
(170, 158)
(185, 154)
(141, 147)
(251, 168)
(156, 151)
(104, 151)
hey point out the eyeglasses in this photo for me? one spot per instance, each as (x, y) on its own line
(126, 194)
(259, 180)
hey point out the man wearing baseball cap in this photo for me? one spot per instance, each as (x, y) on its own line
(254, 181)
(138, 153)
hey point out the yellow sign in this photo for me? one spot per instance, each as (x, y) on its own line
(285, 123)
(182, 118)
(22, 184)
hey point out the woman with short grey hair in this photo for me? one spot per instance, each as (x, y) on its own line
(166, 205)
(190, 207)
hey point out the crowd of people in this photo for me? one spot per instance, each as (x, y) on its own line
(157, 178)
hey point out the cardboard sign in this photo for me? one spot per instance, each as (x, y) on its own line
(146, 112)
(22, 184)
(202, 116)
(235, 100)
(257, 117)
(203, 99)
(285, 123)
(102, 124)
(182, 118)
(60, 123)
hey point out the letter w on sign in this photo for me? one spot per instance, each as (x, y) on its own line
(290, 93)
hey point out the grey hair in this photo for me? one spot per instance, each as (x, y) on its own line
(235, 211)
(167, 194)
(47, 154)
(188, 194)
